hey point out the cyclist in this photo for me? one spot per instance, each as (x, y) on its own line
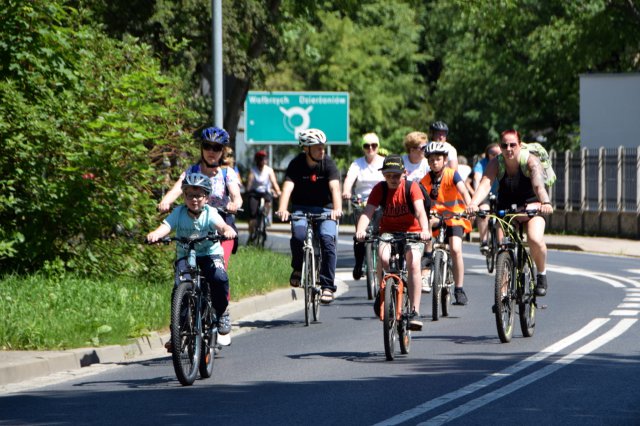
(438, 132)
(225, 184)
(397, 217)
(261, 183)
(491, 151)
(416, 165)
(448, 193)
(312, 183)
(196, 218)
(515, 188)
(365, 173)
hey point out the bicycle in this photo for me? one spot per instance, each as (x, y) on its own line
(515, 280)
(441, 275)
(492, 237)
(395, 306)
(370, 252)
(312, 258)
(259, 234)
(194, 331)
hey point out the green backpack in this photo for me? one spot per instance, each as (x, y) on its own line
(538, 150)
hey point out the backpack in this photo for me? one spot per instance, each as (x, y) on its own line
(539, 151)
(407, 196)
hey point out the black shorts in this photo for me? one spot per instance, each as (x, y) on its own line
(254, 202)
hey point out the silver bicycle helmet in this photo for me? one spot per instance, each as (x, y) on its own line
(312, 137)
(197, 180)
(436, 148)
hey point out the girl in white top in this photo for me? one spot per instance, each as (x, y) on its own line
(261, 183)
(365, 173)
(415, 163)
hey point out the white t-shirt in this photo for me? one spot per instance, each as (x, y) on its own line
(261, 182)
(453, 153)
(464, 171)
(415, 171)
(366, 174)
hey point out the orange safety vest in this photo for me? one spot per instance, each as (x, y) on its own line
(449, 199)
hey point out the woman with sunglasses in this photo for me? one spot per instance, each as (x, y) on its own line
(527, 192)
(414, 162)
(364, 172)
(225, 194)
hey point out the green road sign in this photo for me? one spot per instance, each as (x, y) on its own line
(278, 117)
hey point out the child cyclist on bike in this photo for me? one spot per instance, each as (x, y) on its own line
(448, 194)
(397, 217)
(197, 219)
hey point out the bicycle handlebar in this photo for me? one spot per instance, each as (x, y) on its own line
(401, 236)
(448, 215)
(312, 216)
(187, 240)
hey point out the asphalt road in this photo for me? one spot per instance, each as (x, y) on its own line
(582, 365)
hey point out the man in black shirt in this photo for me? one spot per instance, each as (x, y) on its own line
(312, 183)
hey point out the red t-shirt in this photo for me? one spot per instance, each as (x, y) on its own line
(396, 216)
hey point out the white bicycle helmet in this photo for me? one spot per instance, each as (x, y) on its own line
(436, 148)
(312, 137)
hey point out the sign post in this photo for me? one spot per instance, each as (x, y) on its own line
(276, 118)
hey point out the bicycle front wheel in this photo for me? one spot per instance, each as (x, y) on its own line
(504, 300)
(308, 284)
(404, 334)
(261, 231)
(527, 303)
(447, 288)
(389, 324)
(372, 277)
(315, 294)
(209, 340)
(493, 248)
(437, 284)
(185, 337)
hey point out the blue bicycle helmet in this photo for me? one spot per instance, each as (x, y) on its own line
(215, 135)
(197, 180)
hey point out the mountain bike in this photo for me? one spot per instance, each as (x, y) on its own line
(395, 306)
(312, 258)
(193, 326)
(492, 233)
(515, 280)
(441, 276)
(259, 234)
(370, 252)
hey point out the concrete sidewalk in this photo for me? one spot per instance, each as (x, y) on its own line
(20, 366)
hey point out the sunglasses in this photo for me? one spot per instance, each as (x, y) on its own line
(508, 145)
(212, 147)
(393, 176)
(370, 145)
(194, 196)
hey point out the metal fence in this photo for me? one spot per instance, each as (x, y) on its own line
(604, 179)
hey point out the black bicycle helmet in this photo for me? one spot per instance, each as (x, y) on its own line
(439, 126)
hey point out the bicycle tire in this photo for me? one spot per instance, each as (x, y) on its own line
(445, 293)
(527, 303)
(437, 285)
(493, 248)
(185, 338)
(389, 324)
(315, 300)
(209, 341)
(504, 300)
(308, 283)
(404, 334)
(261, 231)
(372, 277)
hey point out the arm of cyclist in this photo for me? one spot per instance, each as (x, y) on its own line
(537, 182)
(421, 215)
(363, 222)
(236, 198)
(275, 188)
(287, 189)
(347, 185)
(158, 233)
(226, 231)
(167, 201)
(336, 199)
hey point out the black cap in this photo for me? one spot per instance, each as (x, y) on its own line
(392, 164)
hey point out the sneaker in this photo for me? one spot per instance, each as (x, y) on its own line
(541, 285)
(484, 248)
(357, 272)
(224, 324)
(426, 287)
(294, 279)
(461, 296)
(414, 321)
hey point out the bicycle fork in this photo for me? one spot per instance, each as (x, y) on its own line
(399, 291)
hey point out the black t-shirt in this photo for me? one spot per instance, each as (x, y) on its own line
(515, 190)
(311, 184)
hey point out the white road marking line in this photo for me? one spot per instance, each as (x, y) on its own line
(623, 313)
(596, 343)
(496, 377)
(629, 306)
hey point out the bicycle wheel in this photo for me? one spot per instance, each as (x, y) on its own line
(527, 303)
(185, 338)
(404, 334)
(492, 242)
(261, 230)
(389, 324)
(437, 284)
(445, 293)
(504, 301)
(315, 299)
(209, 340)
(308, 284)
(372, 277)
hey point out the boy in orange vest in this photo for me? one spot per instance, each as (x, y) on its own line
(448, 193)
